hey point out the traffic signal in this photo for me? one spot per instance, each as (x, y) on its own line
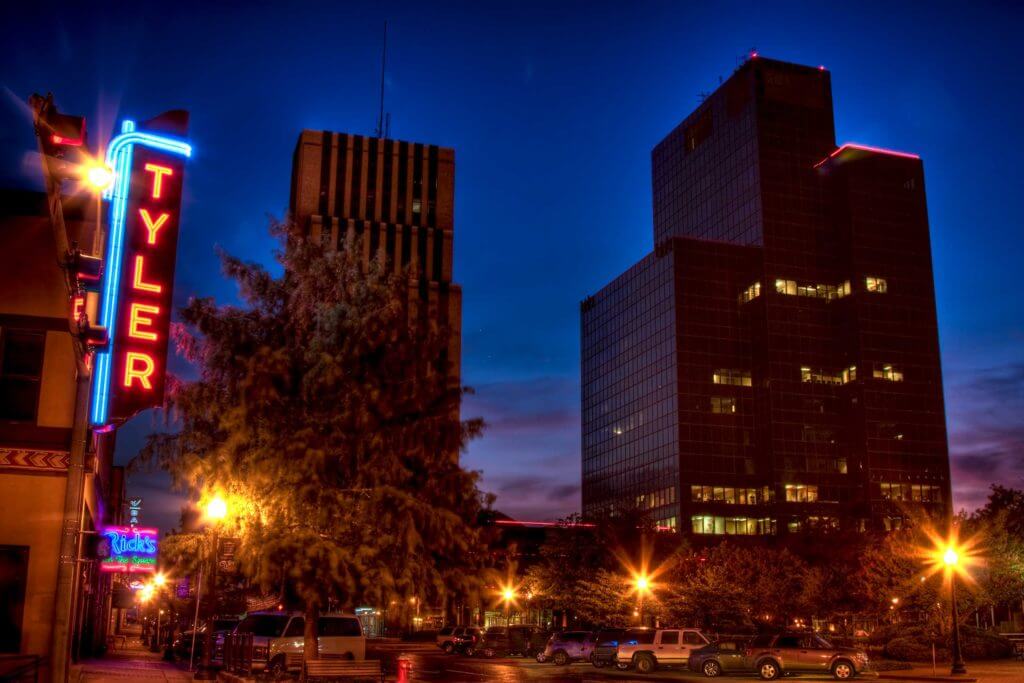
(61, 132)
(85, 273)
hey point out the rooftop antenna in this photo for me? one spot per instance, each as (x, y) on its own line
(383, 64)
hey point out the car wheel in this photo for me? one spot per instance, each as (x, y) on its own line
(622, 666)
(768, 670)
(598, 663)
(645, 664)
(469, 651)
(448, 648)
(541, 658)
(843, 670)
(711, 668)
(278, 668)
(561, 658)
(489, 652)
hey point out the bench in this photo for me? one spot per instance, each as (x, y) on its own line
(344, 669)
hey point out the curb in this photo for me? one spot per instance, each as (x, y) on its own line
(922, 677)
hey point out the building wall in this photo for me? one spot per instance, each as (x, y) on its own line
(629, 393)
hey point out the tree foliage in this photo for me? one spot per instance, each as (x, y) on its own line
(323, 414)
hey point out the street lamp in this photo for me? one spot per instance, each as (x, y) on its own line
(99, 176)
(951, 559)
(508, 595)
(216, 512)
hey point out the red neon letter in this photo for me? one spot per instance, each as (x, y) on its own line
(151, 226)
(137, 319)
(138, 366)
(137, 282)
(77, 307)
(158, 177)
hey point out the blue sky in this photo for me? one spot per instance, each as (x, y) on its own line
(553, 109)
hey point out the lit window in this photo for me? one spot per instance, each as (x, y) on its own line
(850, 374)
(723, 404)
(417, 206)
(739, 378)
(801, 493)
(877, 285)
(888, 373)
(786, 287)
(818, 376)
(731, 495)
(732, 526)
(750, 293)
(814, 291)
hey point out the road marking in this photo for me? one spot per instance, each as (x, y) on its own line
(471, 673)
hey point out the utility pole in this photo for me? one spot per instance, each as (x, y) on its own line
(43, 110)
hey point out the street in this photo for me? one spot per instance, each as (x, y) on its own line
(441, 667)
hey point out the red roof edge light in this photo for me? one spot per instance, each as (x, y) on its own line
(866, 148)
(517, 522)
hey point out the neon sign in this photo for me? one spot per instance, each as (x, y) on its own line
(132, 550)
(135, 307)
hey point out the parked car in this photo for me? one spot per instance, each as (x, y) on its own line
(567, 647)
(445, 638)
(725, 656)
(506, 641)
(671, 647)
(277, 638)
(606, 646)
(181, 647)
(466, 640)
(773, 655)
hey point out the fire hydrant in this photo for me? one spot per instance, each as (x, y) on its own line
(404, 668)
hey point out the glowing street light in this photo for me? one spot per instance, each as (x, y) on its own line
(952, 558)
(217, 509)
(160, 579)
(99, 176)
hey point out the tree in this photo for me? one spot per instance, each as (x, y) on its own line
(324, 413)
(609, 599)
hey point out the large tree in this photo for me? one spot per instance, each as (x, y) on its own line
(324, 412)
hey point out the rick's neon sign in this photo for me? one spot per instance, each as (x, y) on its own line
(132, 550)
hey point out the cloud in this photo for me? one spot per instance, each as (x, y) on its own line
(986, 432)
(530, 452)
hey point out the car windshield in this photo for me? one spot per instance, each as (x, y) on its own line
(269, 625)
(822, 643)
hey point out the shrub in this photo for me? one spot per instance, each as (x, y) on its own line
(912, 650)
(979, 644)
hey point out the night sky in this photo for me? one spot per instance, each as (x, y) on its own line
(553, 109)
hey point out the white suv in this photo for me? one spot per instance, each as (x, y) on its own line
(668, 647)
(278, 638)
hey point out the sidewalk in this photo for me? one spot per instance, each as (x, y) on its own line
(1000, 671)
(133, 661)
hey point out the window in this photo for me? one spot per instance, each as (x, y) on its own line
(801, 493)
(750, 293)
(346, 627)
(814, 291)
(850, 374)
(739, 378)
(723, 405)
(733, 495)
(669, 524)
(669, 638)
(655, 499)
(21, 371)
(732, 526)
(698, 132)
(818, 376)
(417, 206)
(888, 373)
(270, 625)
(13, 581)
(297, 627)
(693, 638)
(877, 285)
(789, 642)
(823, 523)
(911, 493)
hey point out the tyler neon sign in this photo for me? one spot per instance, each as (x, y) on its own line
(142, 243)
(132, 550)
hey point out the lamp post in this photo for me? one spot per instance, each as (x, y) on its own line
(951, 558)
(216, 512)
(642, 585)
(508, 594)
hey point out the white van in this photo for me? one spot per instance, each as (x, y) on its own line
(278, 638)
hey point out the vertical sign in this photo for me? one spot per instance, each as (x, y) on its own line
(145, 206)
(134, 510)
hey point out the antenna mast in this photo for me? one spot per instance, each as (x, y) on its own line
(383, 64)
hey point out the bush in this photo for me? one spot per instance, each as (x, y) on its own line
(979, 644)
(912, 650)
